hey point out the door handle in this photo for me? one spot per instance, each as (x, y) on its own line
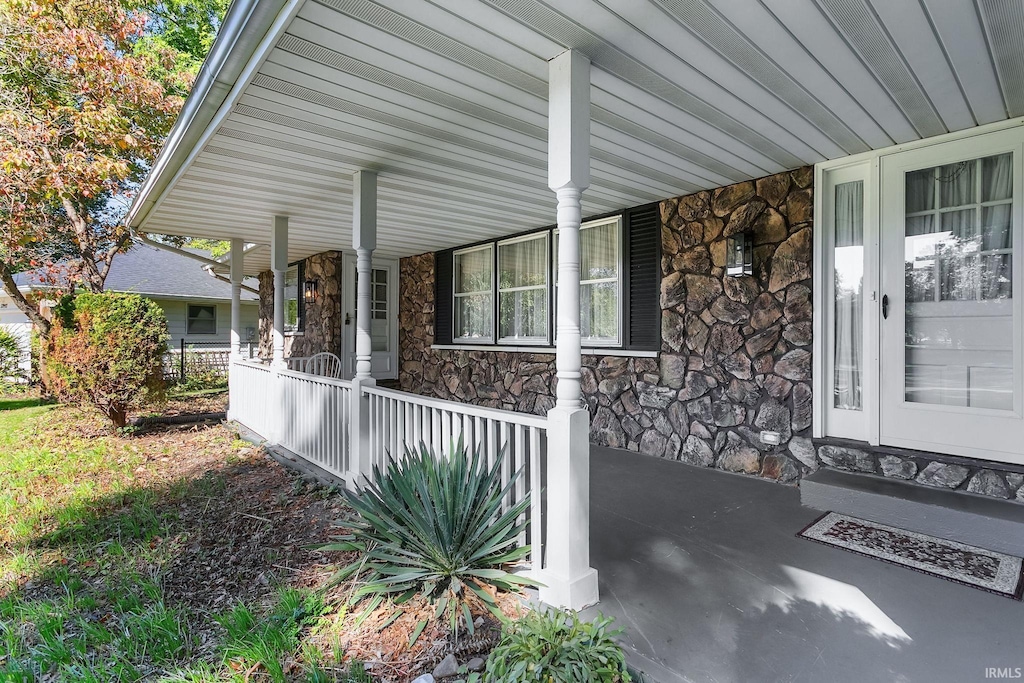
(885, 306)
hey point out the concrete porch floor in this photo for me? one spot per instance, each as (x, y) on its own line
(705, 573)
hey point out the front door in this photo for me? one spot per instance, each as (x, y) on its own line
(951, 344)
(383, 317)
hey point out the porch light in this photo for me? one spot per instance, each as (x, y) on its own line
(309, 288)
(739, 256)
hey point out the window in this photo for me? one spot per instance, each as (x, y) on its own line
(293, 304)
(848, 312)
(202, 319)
(600, 285)
(504, 292)
(473, 290)
(523, 289)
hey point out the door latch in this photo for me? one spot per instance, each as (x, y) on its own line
(348, 318)
(885, 306)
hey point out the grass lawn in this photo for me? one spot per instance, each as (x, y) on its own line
(181, 554)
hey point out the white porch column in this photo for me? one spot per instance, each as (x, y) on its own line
(237, 275)
(570, 580)
(364, 241)
(279, 264)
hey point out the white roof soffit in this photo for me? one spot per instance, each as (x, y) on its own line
(447, 100)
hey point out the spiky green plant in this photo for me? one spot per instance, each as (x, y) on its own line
(433, 525)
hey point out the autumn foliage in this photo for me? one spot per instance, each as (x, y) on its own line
(107, 350)
(83, 113)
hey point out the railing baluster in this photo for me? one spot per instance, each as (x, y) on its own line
(536, 530)
(520, 459)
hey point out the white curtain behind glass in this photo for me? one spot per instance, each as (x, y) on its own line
(522, 289)
(959, 249)
(473, 294)
(849, 282)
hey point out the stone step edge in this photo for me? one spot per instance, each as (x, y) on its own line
(981, 521)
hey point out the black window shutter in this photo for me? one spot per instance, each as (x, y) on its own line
(443, 297)
(642, 295)
(300, 288)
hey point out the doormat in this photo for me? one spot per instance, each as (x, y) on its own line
(976, 567)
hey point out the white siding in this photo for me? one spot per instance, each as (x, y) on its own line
(177, 311)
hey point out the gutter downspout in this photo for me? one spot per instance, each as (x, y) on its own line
(217, 276)
(208, 263)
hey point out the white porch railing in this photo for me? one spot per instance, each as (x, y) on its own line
(314, 419)
(319, 418)
(400, 420)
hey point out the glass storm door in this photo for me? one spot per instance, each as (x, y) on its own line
(383, 318)
(951, 375)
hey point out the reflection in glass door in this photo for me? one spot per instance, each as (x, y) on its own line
(958, 260)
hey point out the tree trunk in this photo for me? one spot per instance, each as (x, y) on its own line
(23, 304)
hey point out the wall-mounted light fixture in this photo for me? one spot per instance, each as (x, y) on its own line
(309, 291)
(739, 255)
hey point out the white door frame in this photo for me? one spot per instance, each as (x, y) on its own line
(870, 164)
(958, 430)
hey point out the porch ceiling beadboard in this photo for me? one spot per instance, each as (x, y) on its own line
(447, 101)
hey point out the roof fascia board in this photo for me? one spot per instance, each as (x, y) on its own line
(250, 30)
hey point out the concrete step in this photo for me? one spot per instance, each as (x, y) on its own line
(976, 520)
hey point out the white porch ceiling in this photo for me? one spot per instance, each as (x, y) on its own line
(447, 100)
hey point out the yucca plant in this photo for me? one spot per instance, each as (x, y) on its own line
(433, 526)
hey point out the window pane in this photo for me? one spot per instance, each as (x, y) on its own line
(523, 264)
(599, 252)
(957, 184)
(599, 311)
(522, 289)
(291, 299)
(473, 316)
(959, 269)
(849, 284)
(473, 271)
(202, 320)
(920, 190)
(473, 299)
(996, 176)
(599, 301)
(523, 314)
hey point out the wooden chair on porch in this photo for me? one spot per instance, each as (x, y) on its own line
(324, 364)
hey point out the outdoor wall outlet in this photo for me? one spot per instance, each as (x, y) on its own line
(771, 438)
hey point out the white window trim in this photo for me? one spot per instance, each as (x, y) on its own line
(188, 320)
(870, 164)
(593, 341)
(524, 341)
(490, 292)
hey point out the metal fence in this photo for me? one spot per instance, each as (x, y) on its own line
(198, 362)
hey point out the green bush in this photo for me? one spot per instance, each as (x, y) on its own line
(107, 350)
(10, 359)
(433, 526)
(557, 646)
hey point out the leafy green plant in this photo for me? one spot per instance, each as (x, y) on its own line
(107, 349)
(434, 526)
(556, 645)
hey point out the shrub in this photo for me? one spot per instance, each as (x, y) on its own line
(10, 359)
(433, 526)
(557, 646)
(107, 349)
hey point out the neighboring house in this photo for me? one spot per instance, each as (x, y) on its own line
(197, 305)
(799, 249)
(14, 321)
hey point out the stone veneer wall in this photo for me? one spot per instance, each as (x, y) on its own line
(323, 318)
(735, 355)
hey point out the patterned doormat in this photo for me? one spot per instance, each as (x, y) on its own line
(976, 567)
